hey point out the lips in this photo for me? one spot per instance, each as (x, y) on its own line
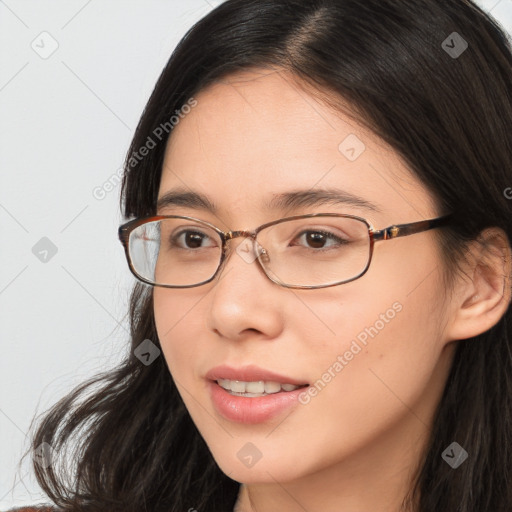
(251, 394)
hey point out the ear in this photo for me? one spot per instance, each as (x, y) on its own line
(480, 300)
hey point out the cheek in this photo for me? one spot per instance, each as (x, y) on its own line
(179, 328)
(379, 353)
(357, 339)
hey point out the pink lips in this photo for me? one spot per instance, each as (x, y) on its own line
(242, 409)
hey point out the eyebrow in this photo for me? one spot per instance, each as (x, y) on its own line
(285, 201)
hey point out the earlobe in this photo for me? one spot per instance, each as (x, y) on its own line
(485, 298)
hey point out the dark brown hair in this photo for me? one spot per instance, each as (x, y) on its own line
(449, 117)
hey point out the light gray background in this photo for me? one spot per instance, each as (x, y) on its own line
(66, 121)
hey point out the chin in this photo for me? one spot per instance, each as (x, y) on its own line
(266, 469)
(267, 474)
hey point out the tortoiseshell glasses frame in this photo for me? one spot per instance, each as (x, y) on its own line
(374, 235)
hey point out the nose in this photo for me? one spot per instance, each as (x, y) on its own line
(242, 300)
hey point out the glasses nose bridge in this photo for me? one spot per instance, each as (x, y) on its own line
(230, 235)
(245, 233)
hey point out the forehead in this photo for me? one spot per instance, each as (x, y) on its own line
(261, 132)
(265, 104)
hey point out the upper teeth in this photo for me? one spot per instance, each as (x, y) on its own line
(259, 387)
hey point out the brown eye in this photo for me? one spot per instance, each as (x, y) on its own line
(319, 240)
(188, 239)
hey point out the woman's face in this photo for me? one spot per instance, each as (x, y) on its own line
(373, 351)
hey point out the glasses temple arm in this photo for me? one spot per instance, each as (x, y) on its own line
(398, 230)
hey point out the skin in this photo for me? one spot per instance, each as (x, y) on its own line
(359, 441)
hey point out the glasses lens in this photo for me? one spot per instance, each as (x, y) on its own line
(312, 251)
(315, 251)
(175, 252)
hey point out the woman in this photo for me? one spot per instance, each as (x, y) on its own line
(321, 194)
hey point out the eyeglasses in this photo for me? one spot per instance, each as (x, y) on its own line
(305, 251)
